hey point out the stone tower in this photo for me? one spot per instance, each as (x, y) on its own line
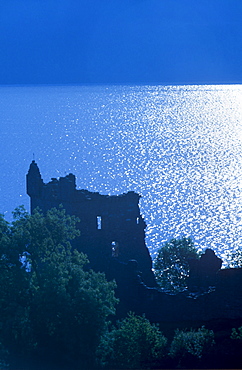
(111, 226)
(34, 185)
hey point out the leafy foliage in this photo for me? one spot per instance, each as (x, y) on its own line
(134, 344)
(52, 309)
(237, 334)
(171, 265)
(191, 344)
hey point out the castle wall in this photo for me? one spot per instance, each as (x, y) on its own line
(113, 233)
(110, 226)
(223, 301)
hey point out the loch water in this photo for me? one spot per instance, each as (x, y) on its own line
(179, 147)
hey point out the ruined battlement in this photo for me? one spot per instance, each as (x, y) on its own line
(113, 237)
(111, 226)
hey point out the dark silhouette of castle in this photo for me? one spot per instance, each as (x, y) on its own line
(111, 227)
(113, 237)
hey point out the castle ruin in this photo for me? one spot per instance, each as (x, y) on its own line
(111, 227)
(113, 237)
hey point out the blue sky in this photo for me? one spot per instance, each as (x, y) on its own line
(120, 41)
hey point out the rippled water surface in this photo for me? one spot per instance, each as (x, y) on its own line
(178, 146)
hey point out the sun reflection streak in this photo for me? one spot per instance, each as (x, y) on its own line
(178, 146)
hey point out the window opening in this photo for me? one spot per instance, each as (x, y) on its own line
(99, 222)
(115, 249)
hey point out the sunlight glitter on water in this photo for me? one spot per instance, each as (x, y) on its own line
(203, 169)
(177, 146)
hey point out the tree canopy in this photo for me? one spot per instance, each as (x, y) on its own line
(134, 344)
(188, 346)
(171, 265)
(53, 310)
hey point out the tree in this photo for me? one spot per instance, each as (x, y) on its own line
(237, 334)
(189, 346)
(53, 311)
(134, 344)
(171, 265)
